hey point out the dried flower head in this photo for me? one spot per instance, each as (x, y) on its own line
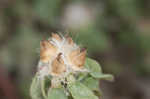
(64, 71)
(60, 56)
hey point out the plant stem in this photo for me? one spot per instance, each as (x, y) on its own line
(43, 89)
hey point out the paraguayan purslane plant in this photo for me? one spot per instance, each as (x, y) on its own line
(65, 72)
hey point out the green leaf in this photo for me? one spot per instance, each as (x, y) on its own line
(81, 76)
(35, 89)
(108, 77)
(93, 67)
(80, 91)
(56, 93)
(95, 70)
(91, 83)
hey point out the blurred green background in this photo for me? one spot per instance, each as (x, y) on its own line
(116, 33)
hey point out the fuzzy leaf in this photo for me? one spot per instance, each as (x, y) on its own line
(91, 83)
(35, 89)
(56, 93)
(80, 91)
(95, 70)
(81, 76)
(93, 67)
(108, 77)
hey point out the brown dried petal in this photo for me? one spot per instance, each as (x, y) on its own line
(47, 51)
(74, 53)
(58, 66)
(78, 58)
